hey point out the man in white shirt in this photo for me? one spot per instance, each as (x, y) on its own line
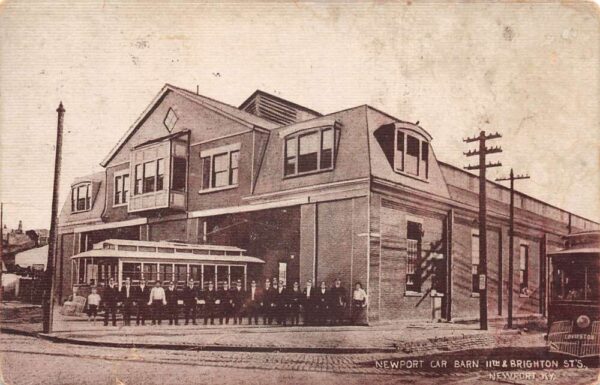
(308, 303)
(157, 300)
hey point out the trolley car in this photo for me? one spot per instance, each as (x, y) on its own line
(574, 305)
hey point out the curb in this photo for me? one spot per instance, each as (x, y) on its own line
(217, 348)
(415, 347)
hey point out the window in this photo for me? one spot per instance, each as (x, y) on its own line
(309, 152)
(413, 252)
(411, 155)
(137, 189)
(221, 168)
(121, 189)
(81, 197)
(179, 174)
(290, 156)
(524, 269)
(475, 261)
(283, 272)
(160, 174)
(149, 177)
(170, 120)
(166, 272)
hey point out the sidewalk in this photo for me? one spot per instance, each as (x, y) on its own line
(404, 337)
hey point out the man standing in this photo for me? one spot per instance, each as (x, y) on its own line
(142, 294)
(110, 298)
(308, 301)
(190, 298)
(172, 307)
(253, 300)
(322, 298)
(237, 301)
(225, 306)
(267, 302)
(282, 304)
(127, 298)
(337, 302)
(209, 296)
(294, 300)
(157, 301)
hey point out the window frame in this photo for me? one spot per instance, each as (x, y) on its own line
(124, 192)
(232, 173)
(400, 165)
(524, 271)
(154, 163)
(416, 287)
(75, 197)
(295, 138)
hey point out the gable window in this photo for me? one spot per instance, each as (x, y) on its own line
(308, 152)
(413, 252)
(149, 177)
(220, 169)
(474, 261)
(170, 120)
(179, 174)
(411, 155)
(524, 269)
(121, 189)
(81, 197)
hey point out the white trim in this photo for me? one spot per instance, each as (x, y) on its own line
(112, 225)
(220, 150)
(308, 125)
(215, 189)
(302, 189)
(73, 223)
(221, 137)
(246, 208)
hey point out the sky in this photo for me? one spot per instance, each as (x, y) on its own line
(527, 70)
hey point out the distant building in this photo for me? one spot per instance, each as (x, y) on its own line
(357, 194)
(15, 241)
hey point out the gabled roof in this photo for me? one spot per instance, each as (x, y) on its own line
(223, 108)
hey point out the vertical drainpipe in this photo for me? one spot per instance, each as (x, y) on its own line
(449, 235)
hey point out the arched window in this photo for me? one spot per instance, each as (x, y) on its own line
(81, 197)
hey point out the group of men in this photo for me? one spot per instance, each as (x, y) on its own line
(274, 303)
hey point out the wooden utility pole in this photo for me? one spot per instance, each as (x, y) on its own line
(511, 242)
(482, 166)
(48, 300)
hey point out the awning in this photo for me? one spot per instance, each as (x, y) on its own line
(188, 257)
(587, 250)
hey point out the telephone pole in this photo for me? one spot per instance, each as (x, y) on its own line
(48, 297)
(511, 242)
(482, 166)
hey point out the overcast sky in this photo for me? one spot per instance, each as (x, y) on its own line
(529, 71)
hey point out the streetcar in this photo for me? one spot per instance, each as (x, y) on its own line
(574, 302)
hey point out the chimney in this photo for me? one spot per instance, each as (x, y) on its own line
(20, 229)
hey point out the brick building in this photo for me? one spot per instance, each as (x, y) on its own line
(356, 194)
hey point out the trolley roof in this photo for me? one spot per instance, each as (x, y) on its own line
(128, 249)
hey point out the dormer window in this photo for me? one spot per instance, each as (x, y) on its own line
(81, 197)
(220, 168)
(406, 147)
(307, 152)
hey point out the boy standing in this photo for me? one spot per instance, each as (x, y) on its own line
(93, 302)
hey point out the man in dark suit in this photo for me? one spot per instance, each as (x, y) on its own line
(209, 296)
(294, 301)
(308, 303)
(237, 302)
(337, 303)
(253, 300)
(172, 306)
(190, 297)
(322, 299)
(225, 307)
(267, 303)
(281, 301)
(110, 299)
(142, 295)
(127, 299)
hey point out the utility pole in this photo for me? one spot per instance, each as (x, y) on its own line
(482, 166)
(48, 300)
(511, 242)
